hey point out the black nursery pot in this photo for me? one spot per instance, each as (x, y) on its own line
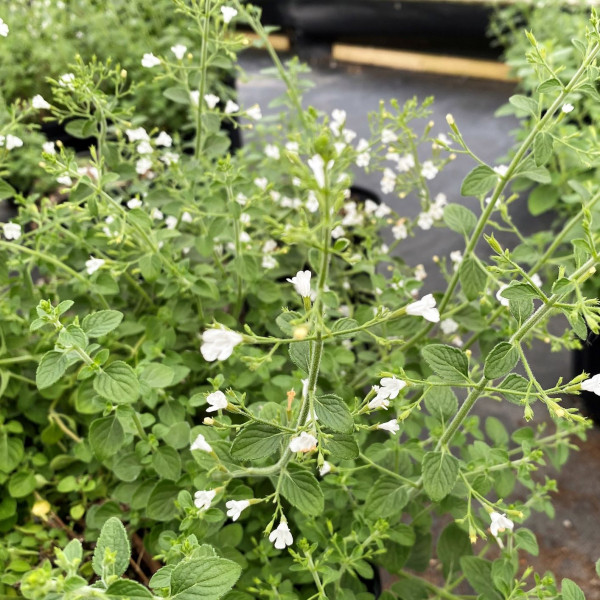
(588, 359)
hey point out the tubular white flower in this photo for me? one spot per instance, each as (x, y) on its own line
(504, 301)
(211, 100)
(231, 107)
(272, 151)
(391, 426)
(449, 326)
(12, 231)
(399, 230)
(390, 387)
(12, 141)
(93, 264)
(203, 498)
(592, 385)
(39, 103)
(179, 51)
(235, 508)
(326, 468)
(379, 401)
(312, 203)
(281, 537)
(200, 443)
(149, 60)
(501, 170)
(425, 221)
(64, 180)
(144, 148)
(305, 442)
(49, 148)
(254, 113)
(217, 401)
(195, 97)
(317, 166)
(500, 523)
(3, 28)
(425, 307)
(143, 165)
(301, 283)
(567, 108)
(218, 343)
(66, 79)
(388, 136)
(137, 135)
(228, 13)
(429, 170)
(405, 163)
(164, 139)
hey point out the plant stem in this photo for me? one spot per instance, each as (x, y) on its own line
(202, 91)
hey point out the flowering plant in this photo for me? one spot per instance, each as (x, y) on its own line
(222, 353)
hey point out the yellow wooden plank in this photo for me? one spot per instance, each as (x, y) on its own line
(280, 42)
(424, 63)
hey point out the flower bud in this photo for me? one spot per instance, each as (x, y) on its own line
(300, 332)
(40, 508)
(208, 421)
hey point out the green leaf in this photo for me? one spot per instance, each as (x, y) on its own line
(300, 488)
(501, 360)
(161, 502)
(166, 463)
(386, 498)
(342, 446)
(101, 322)
(333, 412)
(479, 181)
(550, 85)
(6, 190)
(150, 267)
(460, 219)
(125, 589)
(524, 103)
(51, 368)
(478, 572)
(21, 484)
(203, 579)
(127, 467)
(520, 308)
(300, 355)
(440, 470)
(113, 538)
(157, 376)
(257, 441)
(106, 436)
(117, 383)
(525, 539)
(344, 324)
(177, 94)
(11, 452)
(448, 362)
(472, 278)
(453, 543)
(570, 590)
(542, 148)
(441, 402)
(503, 573)
(538, 174)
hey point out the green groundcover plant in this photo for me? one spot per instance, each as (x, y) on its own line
(217, 379)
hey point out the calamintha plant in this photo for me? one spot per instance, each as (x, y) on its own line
(222, 353)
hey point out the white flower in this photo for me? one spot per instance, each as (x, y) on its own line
(195, 97)
(134, 203)
(245, 219)
(501, 170)
(399, 230)
(425, 307)
(449, 326)
(281, 537)
(268, 262)
(348, 135)
(48, 148)
(312, 204)
(567, 108)
(388, 137)
(338, 118)
(378, 401)
(457, 341)
(137, 135)
(66, 79)
(592, 385)
(536, 279)
(217, 401)
(203, 498)
(317, 165)
(228, 13)
(383, 210)
(149, 60)
(157, 214)
(292, 147)
(143, 165)
(326, 468)
(231, 107)
(64, 180)
(500, 523)
(429, 170)
(388, 181)
(301, 283)
(364, 157)
(370, 206)
(390, 387)
(218, 343)
(93, 264)
(442, 137)
(144, 148)
(272, 151)
(337, 232)
(171, 222)
(261, 182)
(241, 199)
(254, 112)
(305, 442)
(39, 103)
(235, 508)
(170, 158)
(504, 301)
(456, 257)
(186, 217)
(211, 100)
(391, 426)
(3, 28)
(200, 443)
(179, 51)
(163, 139)
(406, 163)
(12, 231)
(12, 141)
(425, 221)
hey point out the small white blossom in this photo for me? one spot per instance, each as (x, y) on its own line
(241, 199)
(203, 498)
(179, 51)
(39, 103)
(391, 426)
(390, 387)
(592, 385)
(261, 182)
(567, 108)
(388, 181)
(49, 148)
(245, 218)
(388, 137)
(326, 468)
(449, 326)
(537, 279)
(429, 170)
(338, 118)
(305, 442)
(157, 214)
(312, 204)
(64, 180)
(364, 157)
(66, 79)
(425, 221)
(456, 257)
(292, 147)
(382, 211)
(231, 107)
(442, 137)
(405, 163)
(500, 523)
(211, 100)
(348, 135)
(218, 344)
(12, 141)
(378, 401)
(504, 301)
(501, 170)
(164, 139)
(425, 307)
(272, 151)
(337, 232)
(228, 13)
(200, 443)
(12, 231)
(171, 222)
(144, 148)
(301, 283)
(134, 203)
(137, 135)
(317, 165)
(268, 262)
(217, 401)
(93, 264)
(370, 206)
(170, 158)
(420, 273)
(254, 112)
(195, 97)
(3, 28)
(281, 537)
(399, 230)
(235, 508)
(186, 217)
(143, 165)
(149, 60)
